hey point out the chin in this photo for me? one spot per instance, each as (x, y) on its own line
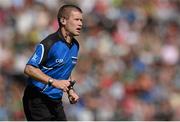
(76, 34)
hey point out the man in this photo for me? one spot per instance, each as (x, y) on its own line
(49, 69)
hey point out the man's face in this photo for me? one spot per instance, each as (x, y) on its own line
(74, 23)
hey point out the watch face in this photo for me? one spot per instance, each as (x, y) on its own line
(50, 81)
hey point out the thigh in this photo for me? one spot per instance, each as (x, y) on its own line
(34, 107)
(39, 110)
(60, 114)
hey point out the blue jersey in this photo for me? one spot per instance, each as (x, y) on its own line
(56, 58)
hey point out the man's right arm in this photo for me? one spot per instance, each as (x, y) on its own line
(38, 75)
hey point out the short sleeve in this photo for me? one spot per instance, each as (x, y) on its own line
(37, 57)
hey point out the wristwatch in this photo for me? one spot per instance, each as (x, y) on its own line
(50, 81)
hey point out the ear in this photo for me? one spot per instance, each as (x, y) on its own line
(63, 21)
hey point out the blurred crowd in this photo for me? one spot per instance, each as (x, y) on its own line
(129, 62)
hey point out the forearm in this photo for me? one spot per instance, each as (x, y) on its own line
(36, 74)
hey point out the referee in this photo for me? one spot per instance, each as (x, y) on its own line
(49, 69)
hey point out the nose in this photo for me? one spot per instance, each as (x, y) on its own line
(80, 23)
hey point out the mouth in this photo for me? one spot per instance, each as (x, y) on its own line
(78, 29)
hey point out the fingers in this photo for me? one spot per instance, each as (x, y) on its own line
(62, 84)
(65, 87)
(73, 98)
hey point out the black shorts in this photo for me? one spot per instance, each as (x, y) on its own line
(38, 106)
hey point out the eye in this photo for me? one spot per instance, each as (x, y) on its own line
(77, 19)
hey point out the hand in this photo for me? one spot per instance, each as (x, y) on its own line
(73, 97)
(61, 84)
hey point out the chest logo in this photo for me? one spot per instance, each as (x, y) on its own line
(59, 61)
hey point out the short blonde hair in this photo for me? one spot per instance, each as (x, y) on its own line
(65, 11)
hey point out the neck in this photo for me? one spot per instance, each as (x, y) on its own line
(67, 36)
